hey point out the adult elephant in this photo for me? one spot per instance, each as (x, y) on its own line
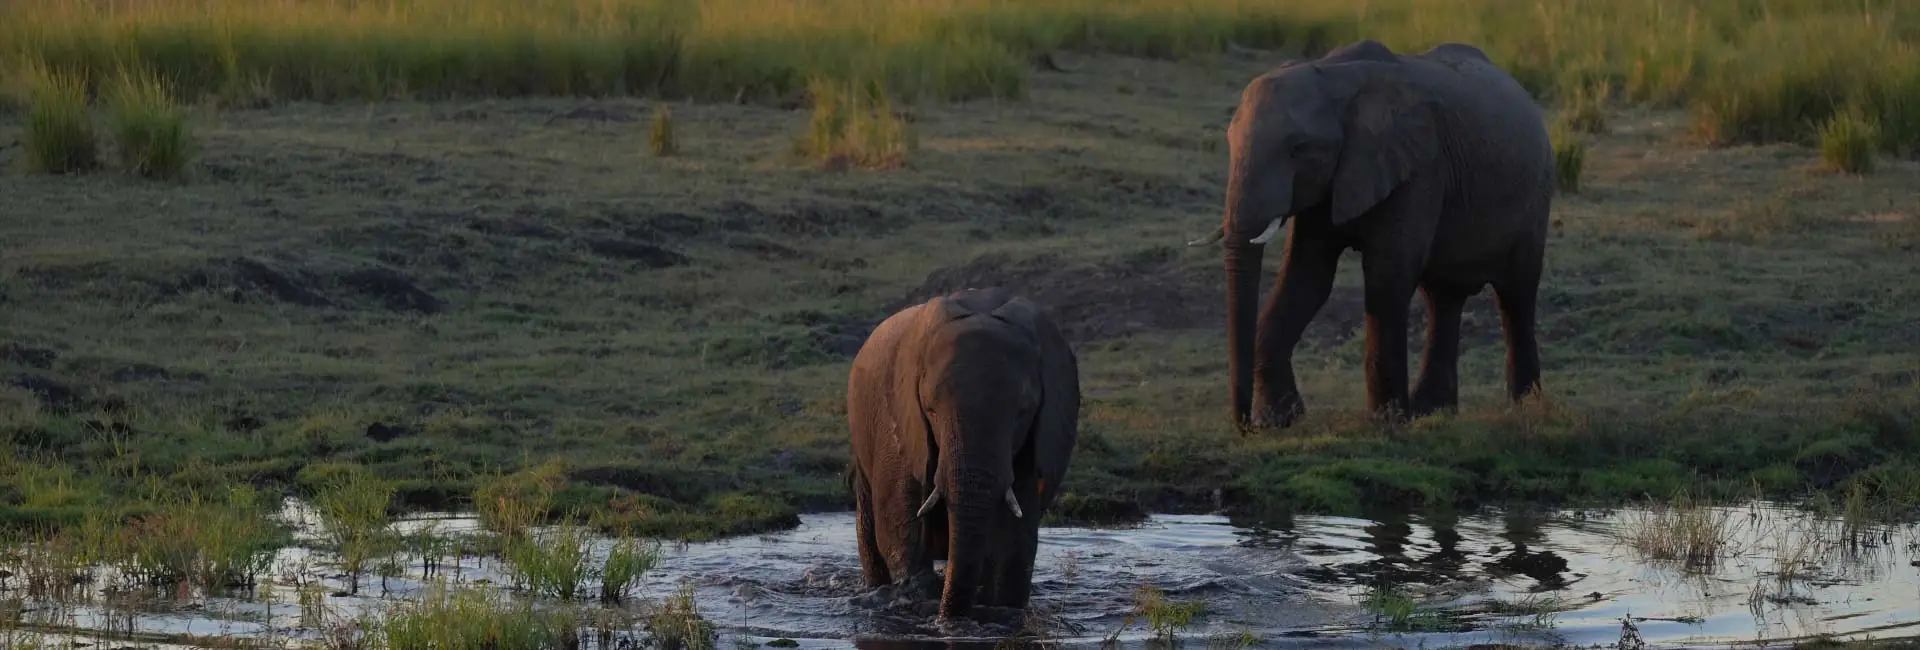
(1435, 166)
(963, 411)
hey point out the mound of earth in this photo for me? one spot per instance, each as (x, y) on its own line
(1148, 292)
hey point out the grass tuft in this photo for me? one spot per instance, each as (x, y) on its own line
(660, 137)
(550, 562)
(474, 617)
(152, 131)
(59, 135)
(1848, 141)
(1685, 531)
(353, 507)
(678, 624)
(1569, 155)
(627, 562)
(854, 124)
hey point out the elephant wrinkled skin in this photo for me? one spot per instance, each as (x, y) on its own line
(1435, 166)
(963, 412)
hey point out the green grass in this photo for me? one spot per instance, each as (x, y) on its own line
(59, 135)
(151, 130)
(354, 505)
(473, 618)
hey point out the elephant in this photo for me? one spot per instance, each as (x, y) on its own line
(1435, 166)
(963, 412)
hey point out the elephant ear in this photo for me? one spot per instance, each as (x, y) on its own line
(1056, 421)
(1389, 136)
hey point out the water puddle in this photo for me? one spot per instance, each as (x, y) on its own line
(1571, 578)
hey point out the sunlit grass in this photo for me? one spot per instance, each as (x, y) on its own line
(1762, 72)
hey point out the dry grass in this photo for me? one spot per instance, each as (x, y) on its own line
(1685, 531)
(1750, 72)
(660, 134)
(1848, 142)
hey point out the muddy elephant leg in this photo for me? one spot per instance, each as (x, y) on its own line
(1389, 289)
(1306, 280)
(1439, 387)
(873, 565)
(1518, 296)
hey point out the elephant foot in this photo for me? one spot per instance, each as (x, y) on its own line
(1278, 413)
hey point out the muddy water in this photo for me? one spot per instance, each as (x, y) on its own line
(1569, 578)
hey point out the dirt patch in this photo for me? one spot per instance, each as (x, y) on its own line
(597, 114)
(645, 254)
(1144, 293)
(251, 280)
(54, 395)
(28, 356)
(1149, 291)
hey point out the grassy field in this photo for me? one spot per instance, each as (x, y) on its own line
(496, 266)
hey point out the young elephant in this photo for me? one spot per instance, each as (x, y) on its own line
(963, 411)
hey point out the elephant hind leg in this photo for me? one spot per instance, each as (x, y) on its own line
(1439, 386)
(873, 565)
(1518, 294)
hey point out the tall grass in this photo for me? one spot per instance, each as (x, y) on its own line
(472, 617)
(59, 136)
(150, 129)
(354, 507)
(1752, 70)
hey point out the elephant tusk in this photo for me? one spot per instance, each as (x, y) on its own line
(1273, 228)
(1014, 503)
(1217, 235)
(932, 500)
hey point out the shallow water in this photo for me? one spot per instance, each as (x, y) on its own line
(1496, 578)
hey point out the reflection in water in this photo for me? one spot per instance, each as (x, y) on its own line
(1289, 581)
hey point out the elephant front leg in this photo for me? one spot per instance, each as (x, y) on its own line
(1439, 386)
(873, 565)
(1389, 289)
(1014, 584)
(1305, 283)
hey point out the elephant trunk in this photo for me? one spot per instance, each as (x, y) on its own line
(1243, 285)
(1256, 208)
(972, 512)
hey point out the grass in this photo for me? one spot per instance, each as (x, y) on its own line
(660, 139)
(1569, 154)
(467, 617)
(628, 560)
(59, 135)
(151, 130)
(353, 507)
(452, 293)
(854, 124)
(1848, 143)
(1682, 531)
(553, 562)
(678, 624)
(1749, 71)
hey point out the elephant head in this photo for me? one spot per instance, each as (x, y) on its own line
(1330, 138)
(998, 388)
